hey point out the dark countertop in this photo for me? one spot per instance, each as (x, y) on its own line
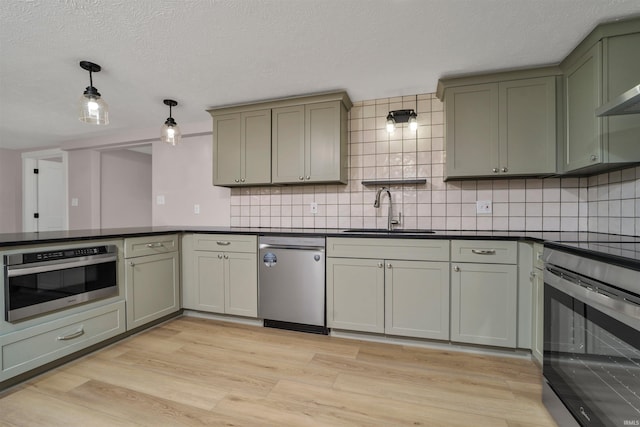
(604, 246)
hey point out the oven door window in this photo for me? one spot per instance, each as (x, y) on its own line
(38, 288)
(591, 361)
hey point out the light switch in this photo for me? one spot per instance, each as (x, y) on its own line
(159, 200)
(74, 201)
(196, 209)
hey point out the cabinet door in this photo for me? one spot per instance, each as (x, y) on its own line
(355, 294)
(241, 284)
(472, 130)
(583, 94)
(621, 73)
(537, 316)
(255, 135)
(208, 294)
(322, 142)
(152, 284)
(483, 304)
(226, 149)
(417, 299)
(528, 126)
(287, 151)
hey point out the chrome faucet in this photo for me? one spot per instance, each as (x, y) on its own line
(376, 204)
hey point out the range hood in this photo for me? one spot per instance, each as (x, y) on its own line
(627, 103)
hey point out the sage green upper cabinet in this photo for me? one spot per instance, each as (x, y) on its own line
(297, 140)
(503, 126)
(603, 66)
(309, 143)
(242, 148)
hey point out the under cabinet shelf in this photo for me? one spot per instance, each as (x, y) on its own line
(411, 181)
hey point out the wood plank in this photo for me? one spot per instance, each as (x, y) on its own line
(192, 371)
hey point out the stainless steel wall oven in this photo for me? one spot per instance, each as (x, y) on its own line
(40, 282)
(591, 340)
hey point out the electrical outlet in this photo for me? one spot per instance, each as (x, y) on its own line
(313, 208)
(483, 206)
(74, 201)
(159, 200)
(196, 209)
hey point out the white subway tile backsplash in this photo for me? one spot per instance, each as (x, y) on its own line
(608, 202)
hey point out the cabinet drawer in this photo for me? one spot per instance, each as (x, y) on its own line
(484, 251)
(538, 262)
(29, 348)
(225, 242)
(404, 249)
(150, 245)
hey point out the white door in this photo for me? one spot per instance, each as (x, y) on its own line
(51, 195)
(44, 190)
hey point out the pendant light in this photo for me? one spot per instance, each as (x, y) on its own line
(93, 109)
(170, 130)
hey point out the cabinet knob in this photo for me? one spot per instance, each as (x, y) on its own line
(132, 264)
(505, 170)
(389, 265)
(237, 180)
(241, 179)
(380, 265)
(456, 268)
(219, 256)
(594, 157)
(301, 178)
(308, 177)
(226, 256)
(532, 274)
(495, 170)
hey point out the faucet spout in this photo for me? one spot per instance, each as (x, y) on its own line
(376, 204)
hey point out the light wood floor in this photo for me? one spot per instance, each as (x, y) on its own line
(193, 371)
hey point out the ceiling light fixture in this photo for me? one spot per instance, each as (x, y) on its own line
(170, 130)
(93, 109)
(402, 116)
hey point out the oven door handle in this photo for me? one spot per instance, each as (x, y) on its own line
(23, 270)
(620, 309)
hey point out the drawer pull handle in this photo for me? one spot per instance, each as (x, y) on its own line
(154, 245)
(223, 243)
(484, 251)
(72, 335)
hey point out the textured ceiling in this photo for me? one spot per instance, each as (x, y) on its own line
(206, 53)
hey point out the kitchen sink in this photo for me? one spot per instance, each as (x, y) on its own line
(385, 231)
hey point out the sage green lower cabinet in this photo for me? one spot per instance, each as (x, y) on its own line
(391, 288)
(355, 294)
(221, 281)
(417, 299)
(483, 304)
(537, 306)
(152, 281)
(32, 347)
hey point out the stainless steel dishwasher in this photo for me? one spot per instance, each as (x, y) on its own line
(291, 283)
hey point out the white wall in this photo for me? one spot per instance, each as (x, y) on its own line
(125, 189)
(183, 175)
(84, 185)
(10, 191)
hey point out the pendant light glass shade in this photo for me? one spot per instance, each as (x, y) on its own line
(92, 108)
(170, 131)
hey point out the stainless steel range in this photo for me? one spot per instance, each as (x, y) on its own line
(592, 334)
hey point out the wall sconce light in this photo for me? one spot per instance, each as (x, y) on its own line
(402, 116)
(93, 109)
(170, 133)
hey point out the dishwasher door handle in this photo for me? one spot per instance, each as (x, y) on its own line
(292, 247)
